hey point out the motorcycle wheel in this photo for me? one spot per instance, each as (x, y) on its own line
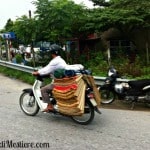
(28, 104)
(107, 96)
(87, 117)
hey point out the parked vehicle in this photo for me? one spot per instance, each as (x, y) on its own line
(31, 102)
(134, 91)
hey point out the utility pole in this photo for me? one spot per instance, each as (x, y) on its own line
(30, 14)
(32, 43)
(32, 50)
(0, 49)
(109, 54)
(147, 53)
(7, 50)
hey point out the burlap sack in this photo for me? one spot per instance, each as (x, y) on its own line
(70, 95)
(90, 80)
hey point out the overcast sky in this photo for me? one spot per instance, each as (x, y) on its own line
(16, 8)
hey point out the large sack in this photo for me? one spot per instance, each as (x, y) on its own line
(70, 95)
(90, 80)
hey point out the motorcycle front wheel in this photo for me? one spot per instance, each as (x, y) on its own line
(88, 115)
(107, 96)
(28, 104)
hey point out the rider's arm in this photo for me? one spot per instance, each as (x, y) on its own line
(46, 70)
(35, 73)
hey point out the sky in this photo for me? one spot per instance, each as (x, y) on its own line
(12, 9)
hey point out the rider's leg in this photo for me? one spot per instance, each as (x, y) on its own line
(45, 95)
(45, 92)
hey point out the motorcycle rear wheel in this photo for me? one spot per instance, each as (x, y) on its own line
(28, 104)
(87, 117)
(107, 96)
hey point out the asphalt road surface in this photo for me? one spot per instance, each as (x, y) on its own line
(114, 129)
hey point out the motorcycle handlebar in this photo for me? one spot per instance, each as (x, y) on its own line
(41, 77)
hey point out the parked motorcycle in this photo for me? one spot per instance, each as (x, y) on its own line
(31, 102)
(132, 91)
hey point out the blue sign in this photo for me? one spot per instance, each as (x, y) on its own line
(9, 35)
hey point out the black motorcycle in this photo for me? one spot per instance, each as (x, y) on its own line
(132, 91)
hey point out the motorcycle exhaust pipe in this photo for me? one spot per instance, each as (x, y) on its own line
(141, 97)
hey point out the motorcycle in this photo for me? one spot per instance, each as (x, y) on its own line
(31, 102)
(134, 91)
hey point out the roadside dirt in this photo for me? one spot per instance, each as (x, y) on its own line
(118, 104)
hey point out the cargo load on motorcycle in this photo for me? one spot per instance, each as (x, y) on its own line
(69, 90)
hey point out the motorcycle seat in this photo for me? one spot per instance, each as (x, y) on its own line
(139, 84)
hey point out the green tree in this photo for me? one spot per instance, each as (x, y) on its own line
(24, 29)
(101, 3)
(54, 20)
(125, 15)
(9, 25)
(59, 19)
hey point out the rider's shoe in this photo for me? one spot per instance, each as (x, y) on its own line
(49, 108)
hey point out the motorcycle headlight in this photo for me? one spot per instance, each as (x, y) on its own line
(125, 85)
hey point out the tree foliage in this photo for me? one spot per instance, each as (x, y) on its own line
(25, 30)
(59, 19)
(54, 20)
(101, 3)
(124, 15)
(9, 25)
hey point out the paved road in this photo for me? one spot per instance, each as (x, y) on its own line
(112, 130)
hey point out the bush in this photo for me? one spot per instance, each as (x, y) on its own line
(19, 59)
(99, 66)
(97, 63)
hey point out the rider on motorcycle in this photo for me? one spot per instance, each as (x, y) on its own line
(56, 63)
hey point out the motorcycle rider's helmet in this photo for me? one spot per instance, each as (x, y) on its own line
(55, 49)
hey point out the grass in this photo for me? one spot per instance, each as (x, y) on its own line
(25, 77)
(20, 75)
